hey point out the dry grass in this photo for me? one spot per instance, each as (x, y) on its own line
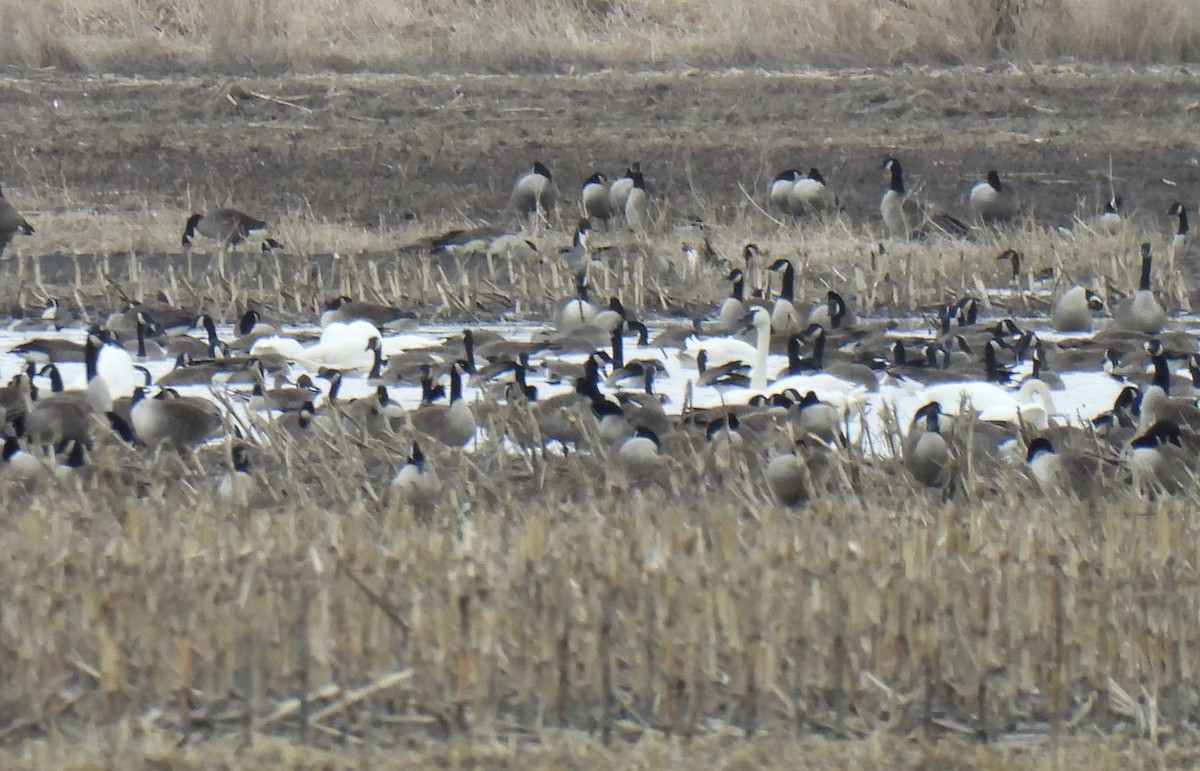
(546, 594)
(518, 36)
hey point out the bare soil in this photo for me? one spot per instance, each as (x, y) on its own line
(372, 150)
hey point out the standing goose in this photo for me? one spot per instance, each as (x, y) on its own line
(733, 309)
(926, 453)
(11, 223)
(228, 227)
(1185, 251)
(637, 205)
(577, 256)
(1109, 221)
(618, 191)
(453, 425)
(781, 188)
(992, 200)
(810, 194)
(1067, 473)
(1141, 311)
(1072, 310)
(791, 475)
(593, 196)
(534, 192)
(579, 310)
(897, 217)
(784, 318)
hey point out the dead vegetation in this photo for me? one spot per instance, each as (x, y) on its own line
(136, 35)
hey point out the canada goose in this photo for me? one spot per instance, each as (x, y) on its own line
(1141, 311)
(926, 453)
(994, 371)
(453, 425)
(534, 192)
(210, 346)
(781, 187)
(810, 194)
(1185, 251)
(1040, 372)
(11, 223)
(1108, 221)
(577, 311)
(167, 418)
(819, 419)
(992, 200)
(733, 308)
(784, 318)
(20, 464)
(1160, 458)
(1072, 310)
(594, 198)
(284, 398)
(641, 456)
(896, 219)
(1070, 473)
(851, 372)
(142, 348)
(637, 204)
(791, 475)
(416, 482)
(618, 191)
(228, 227)
(237, 485)
(49, 349)
(344, 310)
(577, 256)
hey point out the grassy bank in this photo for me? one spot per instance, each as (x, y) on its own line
(561, 35)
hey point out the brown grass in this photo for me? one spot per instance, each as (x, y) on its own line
(512, 35)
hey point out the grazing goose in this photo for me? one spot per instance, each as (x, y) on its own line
(594, 198)
(453, 425)
(167, 418)
(228, 227)
(416, 483)
(992, 200)
(781, 187)
(50, 350)
(810, 194)
(637, 204)
(344, 310)
(534, 192)
(618, 191)
(284, 398)
(11, 223)
(926, 453)
(1141, 311)
(1072, 310)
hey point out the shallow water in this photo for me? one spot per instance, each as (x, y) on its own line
(1086, 395)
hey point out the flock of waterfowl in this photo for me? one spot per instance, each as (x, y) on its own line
(795, 384)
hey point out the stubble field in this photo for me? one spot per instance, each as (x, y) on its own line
(548, 612)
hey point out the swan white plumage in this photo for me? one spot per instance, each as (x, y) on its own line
(343, 345)
(287, 347)
(994, 404)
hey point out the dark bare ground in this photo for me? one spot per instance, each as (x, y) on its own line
(381, 149)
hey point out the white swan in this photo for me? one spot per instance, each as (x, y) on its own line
(343, 345)
(994, 404)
